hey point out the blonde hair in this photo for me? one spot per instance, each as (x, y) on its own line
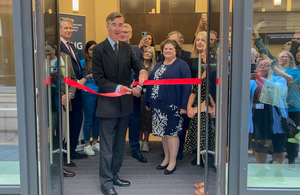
(65, 19)
(291, 64)
(195, 51)
(153, 60)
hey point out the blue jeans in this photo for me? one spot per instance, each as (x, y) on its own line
(89, 102)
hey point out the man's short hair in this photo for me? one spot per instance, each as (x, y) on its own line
(65, 19)
(179, 35)
(128, 26)
(112, 16)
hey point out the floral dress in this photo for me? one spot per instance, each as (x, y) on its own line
(166, 118)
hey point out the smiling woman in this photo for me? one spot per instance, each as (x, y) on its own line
(168, 102)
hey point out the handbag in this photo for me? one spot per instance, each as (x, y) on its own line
(287, 124)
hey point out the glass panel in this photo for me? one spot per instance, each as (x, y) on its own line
(273, 152)
(9, 141)
(47, 101)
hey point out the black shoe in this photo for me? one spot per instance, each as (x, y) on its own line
(159, 167)
(76, 155)
(121, 182)
(72, 164)
(179, 156)
(68, 173)
(167, 172)
(109, 192)
(139, 157)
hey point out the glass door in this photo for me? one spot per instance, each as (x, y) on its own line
(273, 162)
(213, 28)
(263, 157)
(48, 93)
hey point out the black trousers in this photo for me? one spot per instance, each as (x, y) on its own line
(112, 143)
(76, 118)
(291, 148)
(134, 126)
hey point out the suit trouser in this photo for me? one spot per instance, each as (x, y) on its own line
(76, 118)
(112, 143)
(134, 125)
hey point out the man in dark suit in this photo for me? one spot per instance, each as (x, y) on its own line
(76, 115)
(134, 121)
(111, 66)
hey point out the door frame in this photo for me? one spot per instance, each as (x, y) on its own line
(242, 18)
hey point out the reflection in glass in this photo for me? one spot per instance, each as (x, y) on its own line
(9, 140)
(273, 150)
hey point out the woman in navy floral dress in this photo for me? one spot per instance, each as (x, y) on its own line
(168, 102)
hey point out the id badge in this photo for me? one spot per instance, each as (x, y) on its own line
(259, 106)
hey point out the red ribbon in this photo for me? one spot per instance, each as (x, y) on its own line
(147, 82)
(48, 80)
(217, 81)
(170, 82)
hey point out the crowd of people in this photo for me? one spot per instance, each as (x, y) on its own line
(170, 111)
(274, 97)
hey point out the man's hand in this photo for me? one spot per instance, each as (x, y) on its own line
(147, 108)
(142, 77)
(128, 90)
(89, 76)
(63, 99)
(136, 91)
(143, 41)
(82, 81)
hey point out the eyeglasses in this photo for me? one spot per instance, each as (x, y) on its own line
(282, 57)
(114, 25)
(296, 38)
(263, 65)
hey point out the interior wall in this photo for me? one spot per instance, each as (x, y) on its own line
(96, 12)
(87, 9)
(102, 9)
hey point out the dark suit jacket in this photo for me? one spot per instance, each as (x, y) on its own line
(184, 55)
(76, 64)
(109, 71)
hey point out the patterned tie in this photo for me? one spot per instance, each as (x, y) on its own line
(116, 49)
(68, 43)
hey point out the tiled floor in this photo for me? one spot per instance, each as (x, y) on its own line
(291, 177)
(9, 165)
